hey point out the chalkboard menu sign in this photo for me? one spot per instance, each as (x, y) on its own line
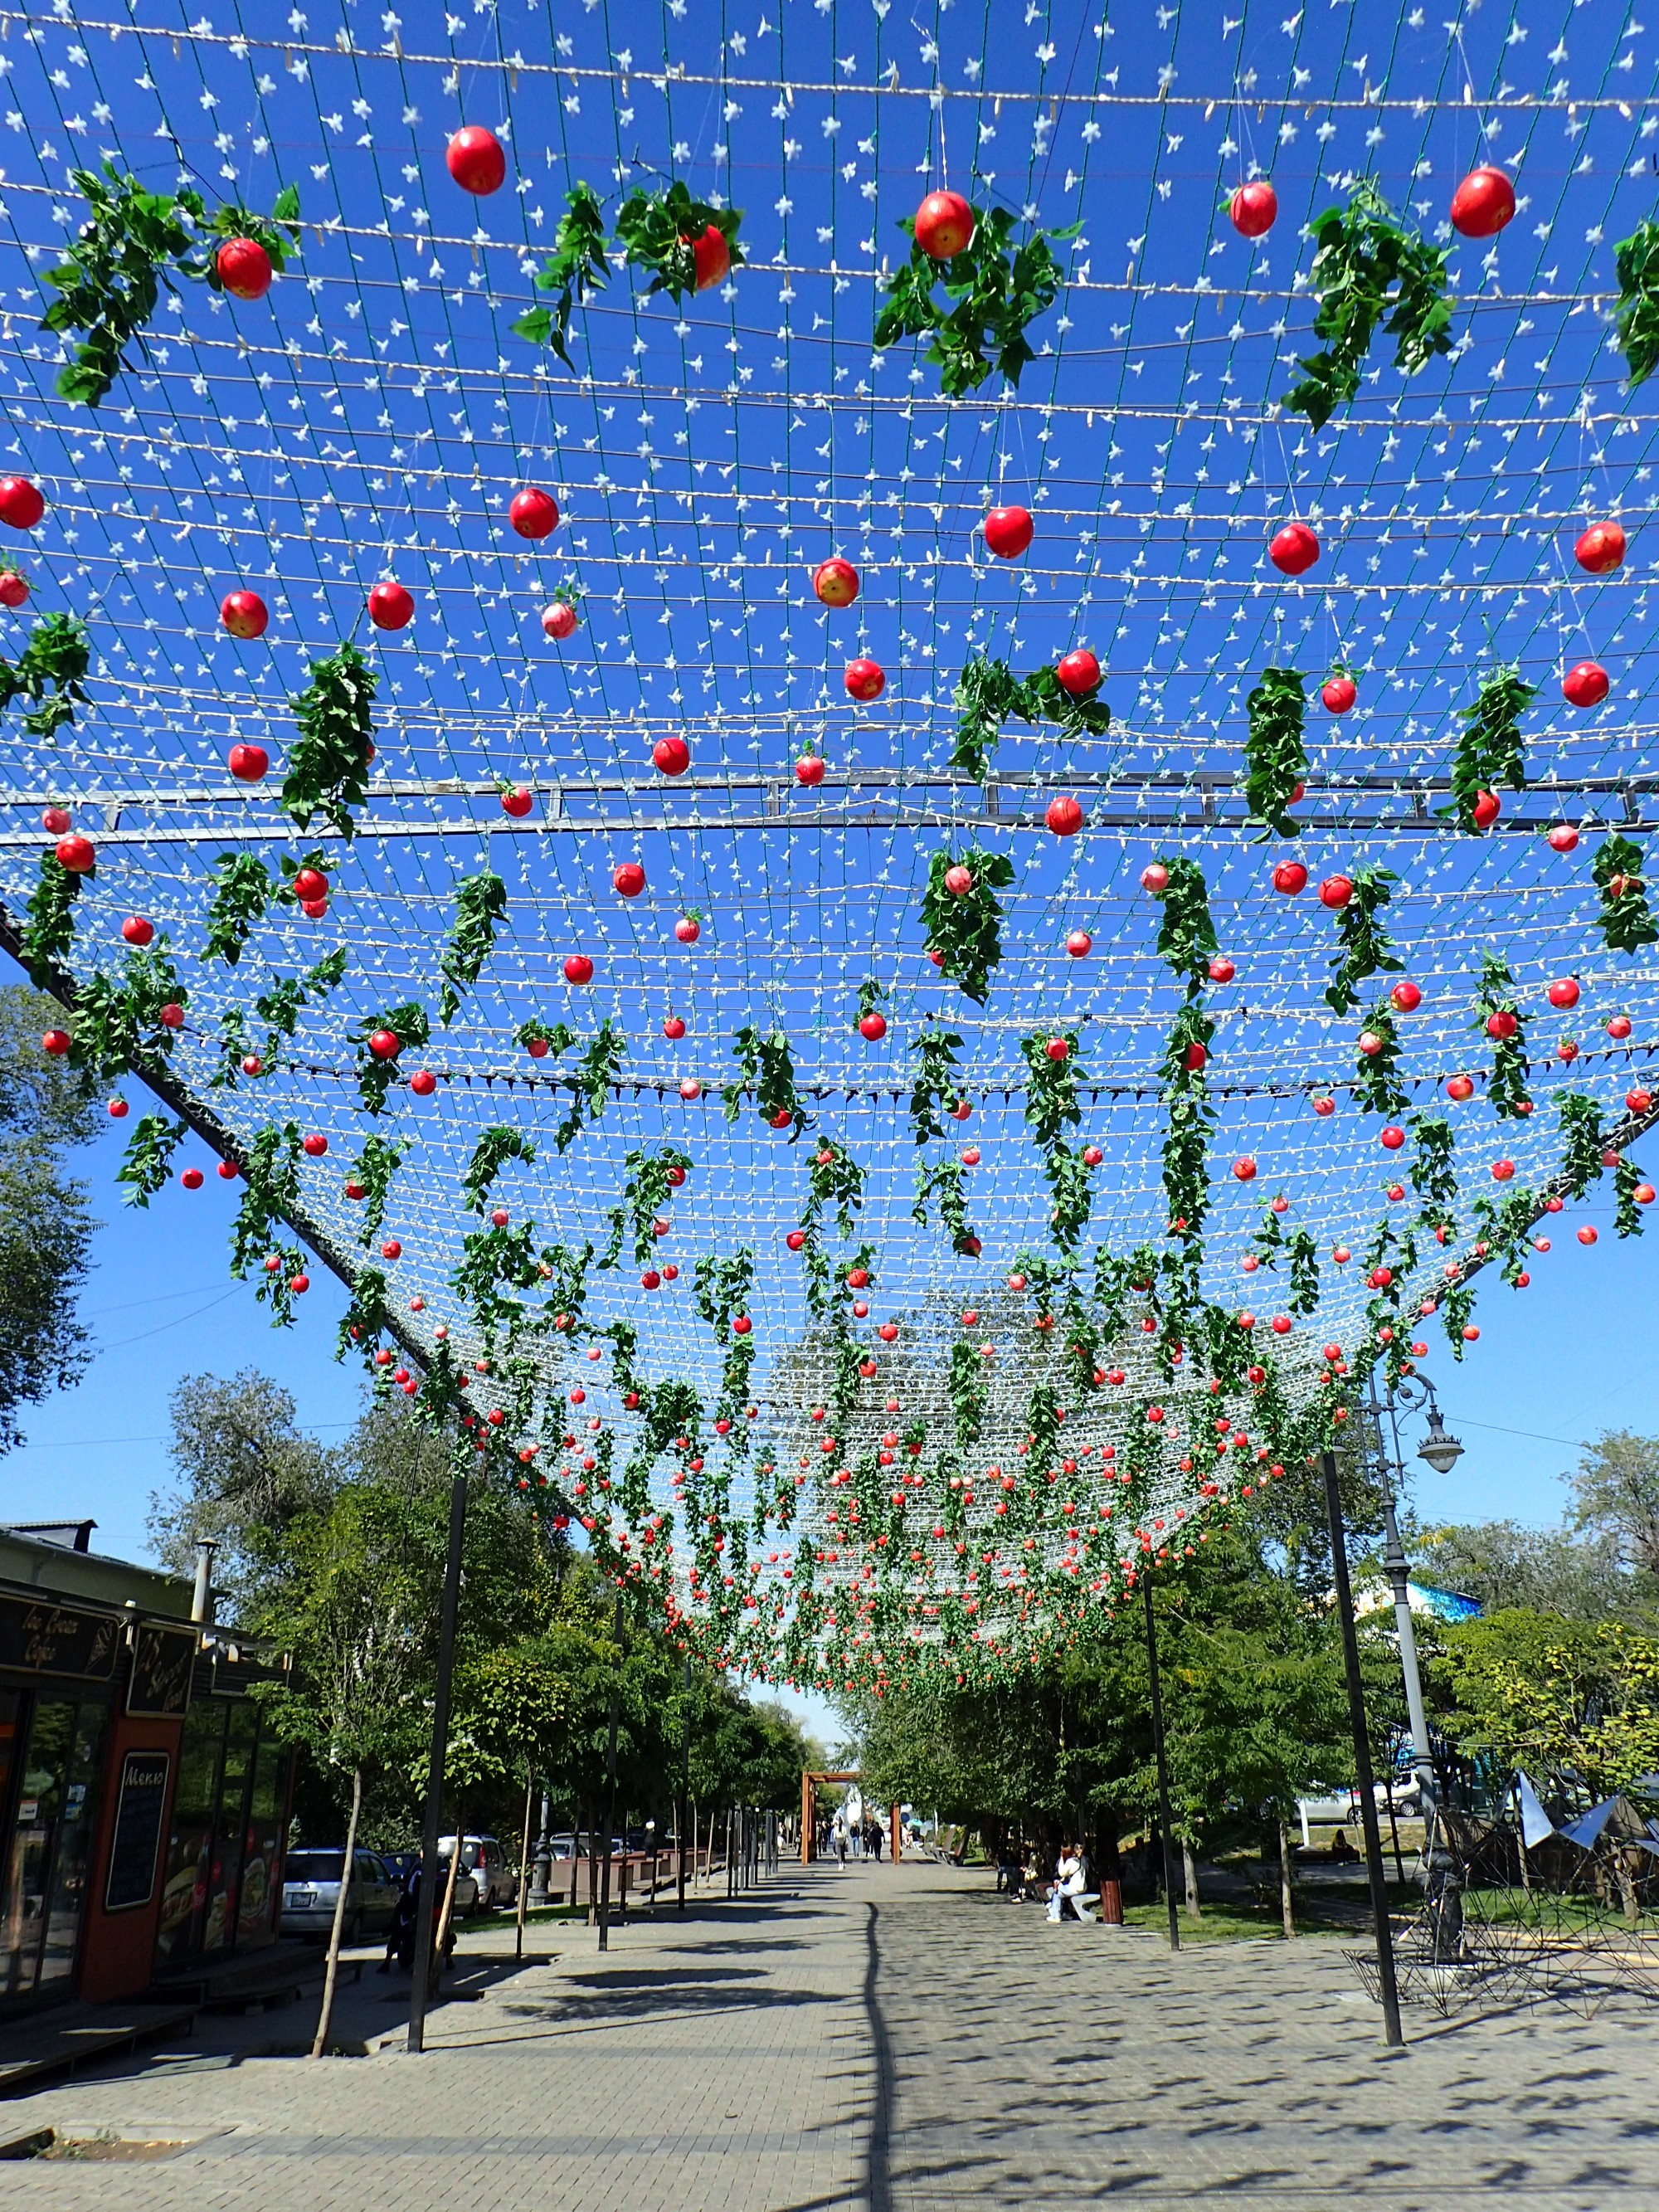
(39, 1637)
(138, 1844)
(162, 1662)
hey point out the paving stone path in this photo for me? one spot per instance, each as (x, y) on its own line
(898, 2038)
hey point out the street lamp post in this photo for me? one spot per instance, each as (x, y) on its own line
(1412, 1392)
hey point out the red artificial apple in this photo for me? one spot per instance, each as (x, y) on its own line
(711, 257)
(1253, 208)
(1064, 816)
(1599, 551)
(670, 755)
(1338, 693)
(559, 618)
(1078, 944)
(534, 512)
(944, 226)
(835, 582)
(477, 161)
(14, 588)
(628, 879)
(390, 606)
(138, 929)
(244, 268)
(1482, 203)
(1078, 673)
(809, 770)
(22, 503)
(1294, 549)
(76, 855)
(578, 969)
(865, 679)
(1586, 685)
(1290, 878)
(1009, 530)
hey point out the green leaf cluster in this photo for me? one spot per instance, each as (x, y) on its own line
(967, 932)
(410, 1025)
(1379, 1085)
(494, 1148)
(242, 889)
(1367, 949)
(1489, 752)
(1636, 317)
(1626, 919)
(657, 231)
(646, 1190)
(766, 1067)
(598, 1067)
(48, 934)
(1275, 758)
(480, 902)
(991, 297)
(51, 671)
(328, 763)
(988, 694)
(115, 1024)
(132, 242)
(933, 1085)
(374, 1168)
(1186, 931)
(1367, 271)
(575, 270)
(1495, 994)
(147, 1160)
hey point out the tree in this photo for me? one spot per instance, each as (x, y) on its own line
(348, 1597)
(46, 1228)
(1615, 1491)
(1574, 1699)
(1510, 1568)
(243, 1465)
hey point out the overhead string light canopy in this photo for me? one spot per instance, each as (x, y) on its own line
(901, 780)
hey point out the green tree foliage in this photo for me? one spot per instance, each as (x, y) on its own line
(1553, 1696)
(1615, 1493)
(45, 1227)
(1510, 1568)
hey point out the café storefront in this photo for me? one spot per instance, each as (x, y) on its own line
(142, 1795)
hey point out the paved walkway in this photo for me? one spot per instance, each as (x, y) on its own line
(896, 2038)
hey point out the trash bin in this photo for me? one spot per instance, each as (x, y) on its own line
(1111, 1903)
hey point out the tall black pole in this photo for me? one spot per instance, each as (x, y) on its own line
(685, 1776)
(610, 1788)
(434, 1773)
(1361, 1754)
(1163, 1761)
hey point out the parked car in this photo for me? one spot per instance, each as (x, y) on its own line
(482, 1856)
(311, 1891)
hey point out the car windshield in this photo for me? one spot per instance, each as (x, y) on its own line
(315, 1866)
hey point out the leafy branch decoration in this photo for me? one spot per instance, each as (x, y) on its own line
(1626, 919)
(328, 763)
(991, 298)
(1275, 757)
(965, 928)
(1636, 318)
(133, 242)
(575, 270)
(1489, 752)
(51, 671)
(1367, 271)
(988, 694)
(480, 904)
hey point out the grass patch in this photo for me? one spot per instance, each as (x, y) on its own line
(1236, 1921)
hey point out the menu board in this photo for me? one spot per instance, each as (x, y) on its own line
(162, 1662)
(137, 1842)
(39, 1637)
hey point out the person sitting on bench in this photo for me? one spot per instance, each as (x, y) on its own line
(1071, 1895)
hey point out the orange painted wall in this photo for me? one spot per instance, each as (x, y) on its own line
(117, 1949)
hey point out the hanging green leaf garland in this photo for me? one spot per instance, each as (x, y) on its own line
(329, 762)
(964, 927)
(1499, 1018)
(133, 242)
(1626, 919)
(494, 1148)
(991, 298)
(659, 232)
(1490, 750)
(48, 933)
(376, 1072)
(369, 1182)
(935, 1085)
(480, 904)
(597, 1070)
(51, 671)
(1275, 758)
(988, 694)
(1368, 271)
(147, 1162)
(243, 889)
(766, 1069)
(1636, 317)
(1367, 949)
(575, 270)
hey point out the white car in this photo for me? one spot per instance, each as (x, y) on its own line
(494, 1881)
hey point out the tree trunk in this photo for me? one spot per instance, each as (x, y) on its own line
(695, 1821)
(1189, 1868)
(523, 1863)
(1631, 1903)
(441, 1933)
(593, 1871)
(325, 2016)
(1286, 1889)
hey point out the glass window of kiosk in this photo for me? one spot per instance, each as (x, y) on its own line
(45, 1871)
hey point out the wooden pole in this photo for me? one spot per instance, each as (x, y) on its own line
(523, 1862)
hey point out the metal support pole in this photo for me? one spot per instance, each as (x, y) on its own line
(610, 1788)
(1162, 1762)
(415, 2039)
(1361, 1753)
(686, 1779)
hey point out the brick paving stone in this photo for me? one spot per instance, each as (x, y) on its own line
(899, 2038)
